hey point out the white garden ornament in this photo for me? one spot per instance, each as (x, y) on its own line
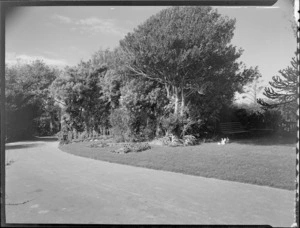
(224, 141)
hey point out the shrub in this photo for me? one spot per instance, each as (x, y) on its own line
(259, 119)
(121, 125)
(182, 125)
(122, 150)
(82, 135)
(133, 147)
(147, 133)
(189, 140)
(172, 140)
(75, 134)
(173, 124)
(166, 140)
(63, 137)
(70, 136)
(138, 147)
(273, 119)
(99, 145)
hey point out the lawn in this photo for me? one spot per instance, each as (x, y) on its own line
(254, 161)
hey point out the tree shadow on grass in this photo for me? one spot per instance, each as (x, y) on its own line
(35, 138)
(29, 143)
(46, 138)
(268, 140)
(22, 146)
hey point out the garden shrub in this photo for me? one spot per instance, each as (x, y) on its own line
(173, 124)
(82, 135)
(259, 119)
(171, 140)
(63, 137)
(70, 136)
(99, 145)
(75, 134)
(121, 125)
(138, 147)
(147, 133)
(273, 119)
(179, 126)
(122, 150)
(211, 139)
(133, 147)
(189, 140)
(166, 140)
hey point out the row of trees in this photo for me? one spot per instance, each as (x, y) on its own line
(29, 107)
(173, 74)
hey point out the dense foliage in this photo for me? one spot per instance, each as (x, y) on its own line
(172, 76)
(187, 50)
(29, 107)
(283, 91)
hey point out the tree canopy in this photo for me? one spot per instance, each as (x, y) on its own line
(174, 72)
(188, 50)
(78, 90)
(28, 100)
(283, 92)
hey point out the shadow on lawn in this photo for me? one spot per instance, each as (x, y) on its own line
(22, 146)
(46, 138)
(27, 143)
(35, 138)
(268, 140)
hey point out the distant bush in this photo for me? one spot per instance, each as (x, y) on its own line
(63, 137)
(137, 147)
(265, 119)
(120, 121)
(133, 147)
(146, 133)
(99, 145)
(253, 117)
(173, 124)
(189, 140)
(273, 119)
(166, 140)
(82, 135)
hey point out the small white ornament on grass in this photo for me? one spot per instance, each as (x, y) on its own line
(227, 140)
(223, 141)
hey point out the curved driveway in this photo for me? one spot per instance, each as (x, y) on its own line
(46, 185)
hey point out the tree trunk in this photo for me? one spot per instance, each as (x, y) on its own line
(182, 103)
(51, 125)
(168, 91)
(176, 100)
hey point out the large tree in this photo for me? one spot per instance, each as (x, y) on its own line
(188, 51)
(28, 101)
(283, 91)
(78, 90)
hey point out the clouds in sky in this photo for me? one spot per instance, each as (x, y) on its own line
(267, 7)
(92, 25)
(62, 19)
(12, 58)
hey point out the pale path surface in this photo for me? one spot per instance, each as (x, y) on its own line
(63, 188)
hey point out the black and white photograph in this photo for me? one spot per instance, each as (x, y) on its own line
(174, 114)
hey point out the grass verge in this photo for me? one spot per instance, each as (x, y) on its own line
(246, 162)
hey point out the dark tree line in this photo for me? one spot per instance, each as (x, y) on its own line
(29, 105)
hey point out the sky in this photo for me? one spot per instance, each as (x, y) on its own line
(65, 35)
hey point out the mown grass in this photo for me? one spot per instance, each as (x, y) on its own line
(247, 161)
